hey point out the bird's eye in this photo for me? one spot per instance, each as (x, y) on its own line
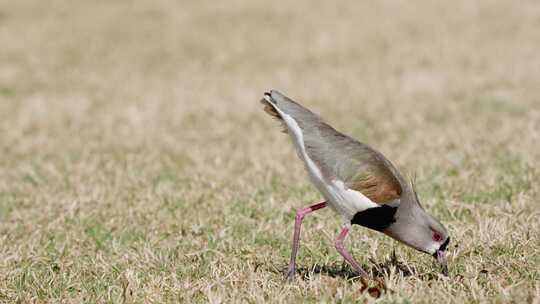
(436, 237)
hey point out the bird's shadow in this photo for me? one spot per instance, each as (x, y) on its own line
(343, 270)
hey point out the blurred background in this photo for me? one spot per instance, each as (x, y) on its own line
(101, 70)
(131, 130)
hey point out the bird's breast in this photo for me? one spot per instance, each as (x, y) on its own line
(377, 218)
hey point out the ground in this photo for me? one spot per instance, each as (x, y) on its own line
(137, 165)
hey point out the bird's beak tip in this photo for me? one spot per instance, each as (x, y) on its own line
(441, 259)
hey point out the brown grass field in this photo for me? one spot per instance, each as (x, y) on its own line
(137, 165)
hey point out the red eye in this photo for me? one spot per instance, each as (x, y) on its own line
(436, 237)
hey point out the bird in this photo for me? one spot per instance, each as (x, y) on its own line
(358, 183)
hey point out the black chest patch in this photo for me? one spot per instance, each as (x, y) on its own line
(377, 218)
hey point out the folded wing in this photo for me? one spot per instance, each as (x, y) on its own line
(339, 157)
(357, 165)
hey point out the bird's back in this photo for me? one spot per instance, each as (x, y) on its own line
(347, 172)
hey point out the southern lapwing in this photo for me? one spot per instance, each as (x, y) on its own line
(357, 182)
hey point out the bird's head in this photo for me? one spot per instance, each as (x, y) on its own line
(420, 230)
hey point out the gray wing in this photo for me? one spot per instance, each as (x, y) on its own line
(357, 165)
(338, 156)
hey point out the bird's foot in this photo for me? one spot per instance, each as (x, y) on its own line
(374, 288)
(291, 272)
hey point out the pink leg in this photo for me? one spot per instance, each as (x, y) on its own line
(341, 249)
(300, 213)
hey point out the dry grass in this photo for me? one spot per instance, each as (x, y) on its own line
(137, 165)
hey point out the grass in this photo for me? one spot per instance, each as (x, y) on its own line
(137, 165)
